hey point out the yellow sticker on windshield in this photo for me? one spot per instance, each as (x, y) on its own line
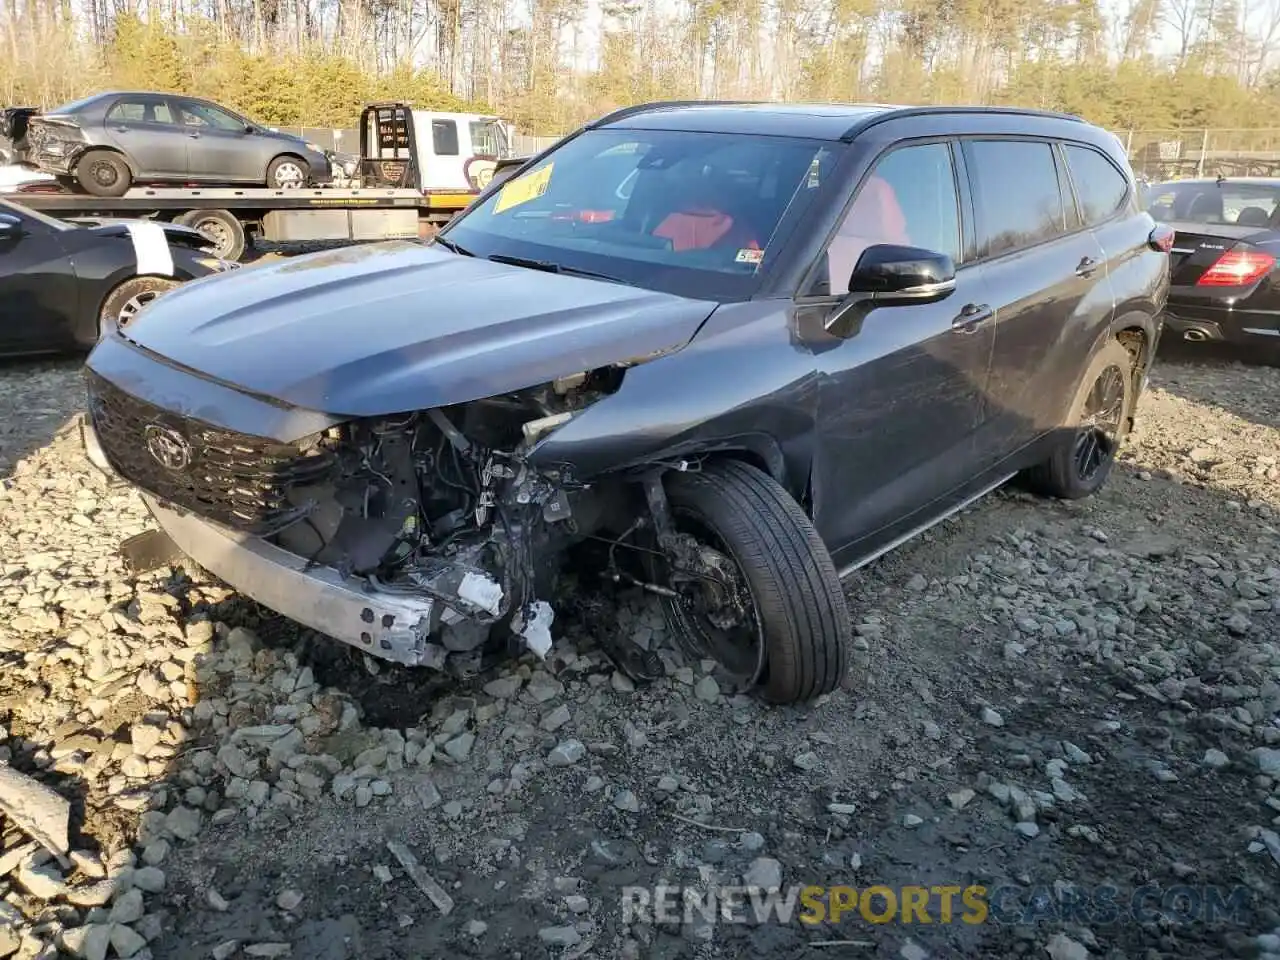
(523, 189)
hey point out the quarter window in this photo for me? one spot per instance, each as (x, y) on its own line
(1018, 197)
(909, 199)
(1102, 188)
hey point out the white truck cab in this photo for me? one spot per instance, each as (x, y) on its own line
(459, 150)
(453, 151)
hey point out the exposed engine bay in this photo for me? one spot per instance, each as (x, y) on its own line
(441, 503)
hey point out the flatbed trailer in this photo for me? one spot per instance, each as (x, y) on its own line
(390, 202)
(232, 217)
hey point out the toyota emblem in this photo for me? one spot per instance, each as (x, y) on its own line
(168, 447)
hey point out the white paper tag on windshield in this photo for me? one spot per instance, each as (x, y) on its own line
(749, 255)
(151, 248)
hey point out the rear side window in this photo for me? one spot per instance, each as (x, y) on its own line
(1019, 201)
(1102, 188)
(1243, 204)
(140, 110)
(444, 138)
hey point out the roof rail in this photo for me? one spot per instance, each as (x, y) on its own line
(857, 128)
(623, 112)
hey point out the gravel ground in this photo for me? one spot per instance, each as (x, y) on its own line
(1046, 698)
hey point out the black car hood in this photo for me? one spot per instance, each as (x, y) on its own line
(399, 326)
(119, 227)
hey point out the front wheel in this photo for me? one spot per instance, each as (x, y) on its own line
(759, 592)
(288, 173)
(1086, 446)
(125, 302)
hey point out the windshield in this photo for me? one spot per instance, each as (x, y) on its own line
(678, 211)
(488, 138)
(18, 210)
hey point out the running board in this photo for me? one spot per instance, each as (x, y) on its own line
(916, 531)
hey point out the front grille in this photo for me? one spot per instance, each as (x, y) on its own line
(235, 479)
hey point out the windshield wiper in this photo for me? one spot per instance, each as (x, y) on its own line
(450, 245)
(548, 266)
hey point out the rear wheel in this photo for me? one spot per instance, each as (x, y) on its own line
(757, 589)
(103, 174)
(126, 301)
(1097, 424)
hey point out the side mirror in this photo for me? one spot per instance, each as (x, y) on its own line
(10, 226)
(249, 128)
(891, 274)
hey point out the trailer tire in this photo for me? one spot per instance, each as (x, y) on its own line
(103, 173)
(221, 227)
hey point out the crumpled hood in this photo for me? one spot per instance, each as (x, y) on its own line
(391, 327)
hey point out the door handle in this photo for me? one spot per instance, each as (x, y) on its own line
(1086, 267)
(971, 316)
(193, 135)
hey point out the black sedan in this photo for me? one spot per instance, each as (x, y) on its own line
(62, 283)
(1225, 283)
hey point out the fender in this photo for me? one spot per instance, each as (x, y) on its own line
(74, 157)
(740, 387)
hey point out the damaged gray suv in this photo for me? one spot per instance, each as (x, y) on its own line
(720, 352)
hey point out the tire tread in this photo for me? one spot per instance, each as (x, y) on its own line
(794, 583)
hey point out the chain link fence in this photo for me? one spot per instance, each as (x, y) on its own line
(1175, 154)
(1155, 154)
(526, 146)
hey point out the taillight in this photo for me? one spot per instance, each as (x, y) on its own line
(1237, 268)
(1161, 238)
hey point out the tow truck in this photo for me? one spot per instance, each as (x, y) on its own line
(417, 170)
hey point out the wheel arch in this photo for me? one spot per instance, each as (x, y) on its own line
(105, 148)
(759, 451)
(119, 280)
(1137, 330)
(283, 155)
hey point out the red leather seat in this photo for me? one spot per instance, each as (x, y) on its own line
(708, 218)
(875, 217)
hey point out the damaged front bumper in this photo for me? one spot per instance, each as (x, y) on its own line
(392, 626)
